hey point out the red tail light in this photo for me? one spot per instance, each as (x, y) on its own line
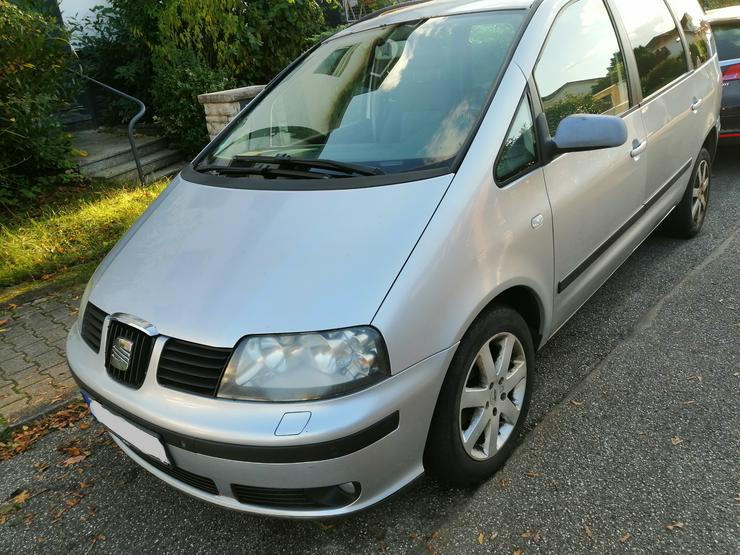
(731, 73)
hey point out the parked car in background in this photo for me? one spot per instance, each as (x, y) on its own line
(348, 286)
(725, 24)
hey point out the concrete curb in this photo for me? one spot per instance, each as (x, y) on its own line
(40, 412)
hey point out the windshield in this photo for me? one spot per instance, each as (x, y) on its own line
(727, 37)
(391, 99)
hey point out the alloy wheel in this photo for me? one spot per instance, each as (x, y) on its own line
(700, 193)
(492, 396)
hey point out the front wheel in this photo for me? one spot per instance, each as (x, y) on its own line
(483, 401)
(687, 218)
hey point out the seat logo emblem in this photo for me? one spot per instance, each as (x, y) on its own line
(120, 354)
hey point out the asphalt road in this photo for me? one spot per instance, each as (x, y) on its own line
(635, 425)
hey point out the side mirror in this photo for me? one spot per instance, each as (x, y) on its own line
(589, 132)
(579, 132)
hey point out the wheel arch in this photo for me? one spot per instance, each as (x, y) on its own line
(527, 303)
(710, 142)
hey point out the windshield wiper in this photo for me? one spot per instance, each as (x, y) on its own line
(319, 163)
(238, 171)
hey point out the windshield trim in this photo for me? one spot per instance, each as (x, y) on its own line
(257, 183)
(193, 176)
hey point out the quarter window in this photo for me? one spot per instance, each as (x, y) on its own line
(581, 68)
(655, 41)
(695, 28)
(518, 153)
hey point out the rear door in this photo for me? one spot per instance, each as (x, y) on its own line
(593, 194)
(670, 106)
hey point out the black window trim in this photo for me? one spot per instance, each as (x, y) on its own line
(537, 157)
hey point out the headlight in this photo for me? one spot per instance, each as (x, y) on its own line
(304, 366)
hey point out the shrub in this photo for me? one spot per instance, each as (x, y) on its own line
(179, 78)
(115, 46)
(34, 150)
(207, 45)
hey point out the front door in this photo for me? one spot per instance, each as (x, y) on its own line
(593, 194)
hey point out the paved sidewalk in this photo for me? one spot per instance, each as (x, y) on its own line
(33, 369)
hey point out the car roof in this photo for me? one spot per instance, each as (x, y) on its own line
(421, 9)
(723, 14)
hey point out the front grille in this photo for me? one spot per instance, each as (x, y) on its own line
(295, 498)
(135, 372)
(195, 480)
(92, 326)
(191, 367)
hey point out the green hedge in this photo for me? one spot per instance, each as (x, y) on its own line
(35, 153)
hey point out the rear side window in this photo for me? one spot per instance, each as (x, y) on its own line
(727, 36)
(655, 41)
(518, 153)
(695, 28)
(581, 68)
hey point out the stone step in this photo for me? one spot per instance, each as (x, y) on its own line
(169, 171)
(108, 155)
(150, 163)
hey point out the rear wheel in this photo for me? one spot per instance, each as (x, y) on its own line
(484, 400)
(687, 218)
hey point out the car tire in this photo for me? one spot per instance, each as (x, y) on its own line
(687, 218)
(480, 395)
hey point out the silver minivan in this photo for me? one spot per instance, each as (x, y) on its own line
(348, 286)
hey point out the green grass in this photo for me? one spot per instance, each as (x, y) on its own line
(64, 241)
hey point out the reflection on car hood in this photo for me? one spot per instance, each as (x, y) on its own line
(211, 264)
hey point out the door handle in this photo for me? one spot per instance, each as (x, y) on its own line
(638, 148)
(695, 105)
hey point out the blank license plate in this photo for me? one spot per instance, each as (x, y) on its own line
(146, 442)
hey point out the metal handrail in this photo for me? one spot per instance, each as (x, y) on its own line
(131, 123)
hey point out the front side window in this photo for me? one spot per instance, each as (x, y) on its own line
(695, 28)
(395, 98)
(655, 41)
(518, 152)
(581, 68)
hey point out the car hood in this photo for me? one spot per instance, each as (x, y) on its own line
(212, 264)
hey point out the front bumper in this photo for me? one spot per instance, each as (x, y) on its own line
(373, 438)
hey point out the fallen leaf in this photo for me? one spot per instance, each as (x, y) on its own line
(494, 535)
(74, 460)
(83, 426)
(533, 474)
(624, 538)
(589, 533)
(481, 537)
(518, 551)
(674, 525)
(22, 439)
(675, 440)
(12, 306)
(691, 402)
(72, 502)
(576, 403)
(504, 483)
(531, 535)
(21, 497)
(40, 466)
(28, 518)
(84, 485)
(4, 321)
